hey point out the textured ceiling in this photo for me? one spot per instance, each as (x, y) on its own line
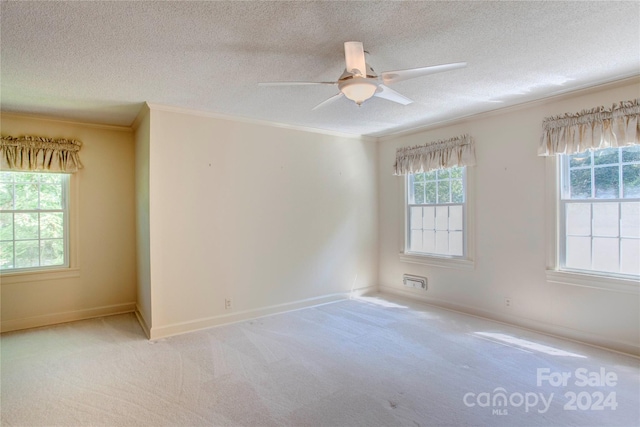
(99, 61)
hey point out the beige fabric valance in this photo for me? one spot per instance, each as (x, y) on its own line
(34, 153)
(458, 151)
(591, 129)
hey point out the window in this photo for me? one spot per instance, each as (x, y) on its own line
(599, 227)
(33, 220)
(436, 213)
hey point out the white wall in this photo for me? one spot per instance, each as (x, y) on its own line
(510, 237)
(102, 279)
(263, 215)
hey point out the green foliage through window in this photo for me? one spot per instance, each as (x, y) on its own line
(33, 212)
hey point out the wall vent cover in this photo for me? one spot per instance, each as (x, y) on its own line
(415, 282)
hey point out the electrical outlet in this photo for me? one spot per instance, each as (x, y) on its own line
(227, 303)
(507, 302)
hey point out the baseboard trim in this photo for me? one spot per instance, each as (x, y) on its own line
(240, 316)
(594, 340)
(68, 316)
(143, 323)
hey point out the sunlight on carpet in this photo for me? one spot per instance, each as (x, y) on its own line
(381, 361)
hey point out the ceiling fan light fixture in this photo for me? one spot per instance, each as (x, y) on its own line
(358, 89)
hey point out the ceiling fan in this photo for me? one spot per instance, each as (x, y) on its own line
(359, 82)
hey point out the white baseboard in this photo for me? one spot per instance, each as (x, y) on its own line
(208, 322)
(595, 340)
(68, 316)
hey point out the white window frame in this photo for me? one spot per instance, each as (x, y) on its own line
(466, 261)
(555, 273)
(71, 269)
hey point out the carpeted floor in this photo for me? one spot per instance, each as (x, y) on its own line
(378, 361)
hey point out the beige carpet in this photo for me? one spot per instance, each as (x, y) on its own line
(363, 362)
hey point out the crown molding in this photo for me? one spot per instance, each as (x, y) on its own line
(54, 119)
(555, 97)
(212, 115)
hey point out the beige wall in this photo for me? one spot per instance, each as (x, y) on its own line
(510, 232)
(142, 138)
(102, 216)
(262, 215)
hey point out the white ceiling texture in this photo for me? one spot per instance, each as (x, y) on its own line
(99, 61)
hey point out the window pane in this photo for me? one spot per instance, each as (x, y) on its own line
(416, 218)
(6, 255)
(50, 196)
(631, 154)
(429, 218)
(429, 241)
(443, 173)
(442, 218)
(605, 219)
(51, 178)
(442, 242)
(431, 175)
(605, 157)
(430, 190)
(605, 254)
(455, 217)
(416, 241)
(581, 184)
(26, 195)
(580, 159)
(6, 177)
(630, 219)
(6, 196)
(444, 193)
(419, 177)
(455, 243)
(578, 253)
(606, 182)
(52, 252)
(457, 191)
(456, 172)
(26, 225)
(51, 225)
(418, 193)
(27, 253)
(578, 219)
(6, 226)
(630, 256)
(631, 181)
(26, 177)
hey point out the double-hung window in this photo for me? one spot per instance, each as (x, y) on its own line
(436, 213)
(34, 218)
(599, 223)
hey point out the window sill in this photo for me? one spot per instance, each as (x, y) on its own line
(594, 281)
(458, 263)
(37, 276)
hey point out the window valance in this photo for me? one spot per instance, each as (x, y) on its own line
(447, 153)
(591, 129)
(34, 153)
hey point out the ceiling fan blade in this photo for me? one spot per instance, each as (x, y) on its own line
(385, 92)
(295, 83)
(389, 77)
(354, 58)
(328, 101)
